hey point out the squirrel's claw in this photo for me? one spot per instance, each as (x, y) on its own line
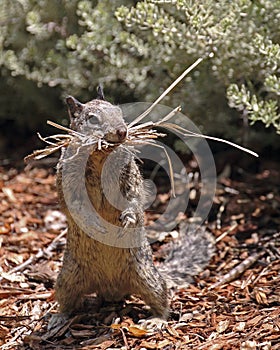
(128, 218)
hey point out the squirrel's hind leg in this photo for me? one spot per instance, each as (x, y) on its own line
(152, 288)
(72, 284)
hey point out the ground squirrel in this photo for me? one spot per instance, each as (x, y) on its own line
(89, 265)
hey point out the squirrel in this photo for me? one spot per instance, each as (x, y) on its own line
(112, 271)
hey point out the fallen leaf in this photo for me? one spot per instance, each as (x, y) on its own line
(222, 326)
(13, 277)
(9, 193)
(137, 331)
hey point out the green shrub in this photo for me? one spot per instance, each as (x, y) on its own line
(136, 49)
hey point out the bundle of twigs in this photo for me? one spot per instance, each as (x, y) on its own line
(139, 134)
(144, 133)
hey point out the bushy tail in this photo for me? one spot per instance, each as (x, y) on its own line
(187, 256)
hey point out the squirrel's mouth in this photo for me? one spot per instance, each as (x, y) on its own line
(117, 137)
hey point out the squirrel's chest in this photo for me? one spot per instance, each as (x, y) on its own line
(105, 198)
(104, 191)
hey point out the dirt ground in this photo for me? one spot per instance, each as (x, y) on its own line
(233, 304)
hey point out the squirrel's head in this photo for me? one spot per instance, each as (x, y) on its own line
(97, 117)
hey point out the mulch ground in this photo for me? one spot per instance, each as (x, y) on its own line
(233, 304)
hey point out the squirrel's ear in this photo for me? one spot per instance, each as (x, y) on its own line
(74, 106)
(100, 92)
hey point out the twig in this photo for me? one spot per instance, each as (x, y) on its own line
(46, 252)
(13, 342)
(238, 270)
(188, 133)
(182, 76)
(64, 128)
(267, 268)
(124, 339)
(220, 213)
(223, 235)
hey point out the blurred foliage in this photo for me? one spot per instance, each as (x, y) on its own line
(243, 35)
(136, 49)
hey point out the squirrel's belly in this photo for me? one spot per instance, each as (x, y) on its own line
(99, 259)
(110, 272)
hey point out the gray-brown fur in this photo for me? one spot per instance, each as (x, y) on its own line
(91, 266)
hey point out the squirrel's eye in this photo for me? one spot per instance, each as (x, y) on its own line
(93, 118)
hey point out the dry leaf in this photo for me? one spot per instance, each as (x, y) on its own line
(222, 326)
(261, 297)
(254, 321)
(249, 345)
(240, 326)
(9, 193)
(137, 331)
(164, 343)
(13, 277)
(4, 230)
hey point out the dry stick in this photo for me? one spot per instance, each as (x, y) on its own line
(179, 129)
(220, 213)
(188, 133)
(61, 127)
(124, 339)
(262, 273)
(39, 154)
(13, 341)
(140, 126)
(252, 281)
(170, 168)
(45, 139)
(57, 137)
(169, 116)
(223, 235)
(238, 270)
(182, 76)
(40, 254)
(151, 142)
(61, 141)
(146, 125)
(225, 141)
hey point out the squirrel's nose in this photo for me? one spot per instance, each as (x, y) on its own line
(121, 133)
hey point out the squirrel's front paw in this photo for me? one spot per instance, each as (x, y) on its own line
(128, 218)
